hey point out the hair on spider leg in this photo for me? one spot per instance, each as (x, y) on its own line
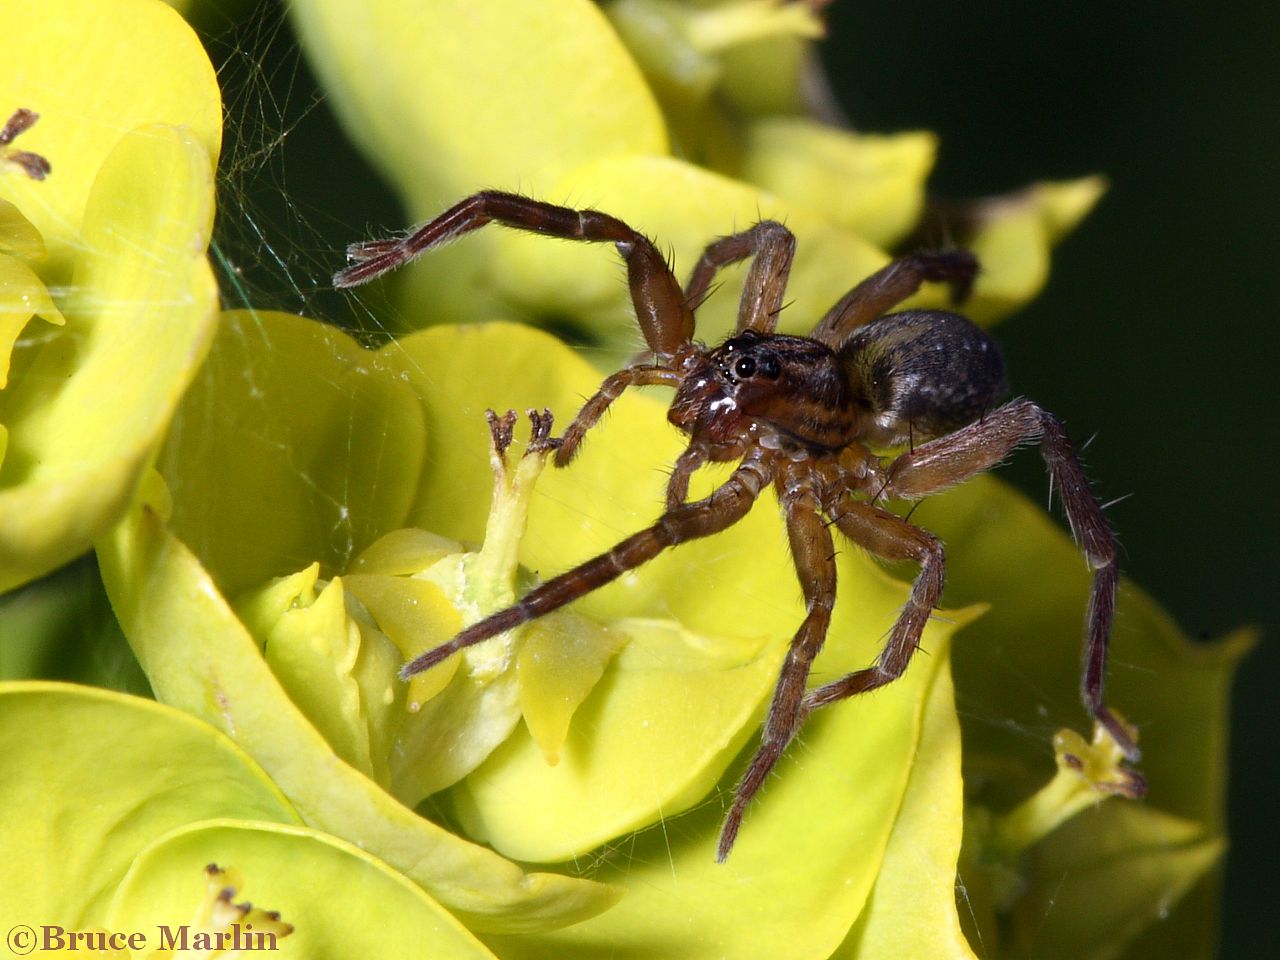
(1116, 500)
(914, 507)
(809, 416)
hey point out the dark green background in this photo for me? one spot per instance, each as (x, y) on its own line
(1159, 327)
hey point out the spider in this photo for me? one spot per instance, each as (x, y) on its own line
(805, 415)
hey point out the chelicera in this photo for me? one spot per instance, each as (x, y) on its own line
(806, 415)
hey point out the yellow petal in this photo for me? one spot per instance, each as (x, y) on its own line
(912, 908)
(196, 653)
(18, 235)
(331, 893)
(453, 95)
(95, 70)
(404, 551)
(314, 649)
(22, 296)
(874, 185)
(809, 852)
(651, 741)
(1015, 236)
(95, 399)
(81, 827)
(561, 659)
(417, 615)
(1124, 866)
(292, 427)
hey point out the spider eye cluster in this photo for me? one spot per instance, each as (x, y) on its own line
(751, 360)
(749, 366)
(766, 365)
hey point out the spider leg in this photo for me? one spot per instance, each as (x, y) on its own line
(610, 390)
(773, 247)
(694, 456)
(893, 283)
(950, 459)
(727, 505)
(660, 307)
(814, 556)
(892, 538)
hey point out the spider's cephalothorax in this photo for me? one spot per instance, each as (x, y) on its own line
(805, 414)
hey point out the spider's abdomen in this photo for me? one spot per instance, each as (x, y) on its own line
(920, 374)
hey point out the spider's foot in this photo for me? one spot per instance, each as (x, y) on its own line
(426, 661)
(1123, 734)
(364, 250)
(958, 269)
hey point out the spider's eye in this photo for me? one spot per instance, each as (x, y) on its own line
(744, 368)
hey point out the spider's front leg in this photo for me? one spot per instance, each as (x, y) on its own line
(665, 321)
(727, 505)
(893, 283)
(644, 374)
(814, 556)
(953, 458)
(773, 246)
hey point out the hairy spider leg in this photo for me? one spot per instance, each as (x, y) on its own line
(664, 319)
(891, 538)
(890, 285)
(773, 246)
(885, 535)
(954, 458)
(814, 555)
(727, 504)
(645, 374)
(686, 465)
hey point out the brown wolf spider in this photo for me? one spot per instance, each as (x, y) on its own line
(804, 414)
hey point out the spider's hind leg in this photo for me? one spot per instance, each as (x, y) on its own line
(953, 458)
(890, 537)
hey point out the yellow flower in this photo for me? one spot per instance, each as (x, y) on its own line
(120, 807)
(116, 235)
